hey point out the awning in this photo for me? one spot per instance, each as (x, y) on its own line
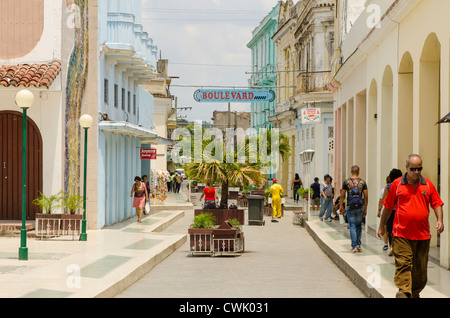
(146, 136)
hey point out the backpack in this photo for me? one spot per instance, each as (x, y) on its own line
(355, 199)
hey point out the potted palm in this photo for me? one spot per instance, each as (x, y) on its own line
(71, 219)
(46, 204)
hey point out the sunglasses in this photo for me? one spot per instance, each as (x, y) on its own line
(416, 169)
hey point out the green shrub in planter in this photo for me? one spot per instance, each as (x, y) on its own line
(47, 204)
(204, 221)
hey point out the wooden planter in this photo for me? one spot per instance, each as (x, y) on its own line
(242, 201)
(228, 239)
(200, 241)
(222, 215)
(53, 225)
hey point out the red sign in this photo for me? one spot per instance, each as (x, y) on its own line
(148, 154)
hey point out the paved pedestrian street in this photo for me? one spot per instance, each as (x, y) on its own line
(281, 260)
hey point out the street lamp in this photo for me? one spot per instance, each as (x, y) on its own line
(24, 99)
(86, 123)
(306, 157)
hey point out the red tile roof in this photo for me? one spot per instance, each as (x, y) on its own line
(37, 75)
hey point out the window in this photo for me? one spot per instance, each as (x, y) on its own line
(123, 99)
(116, 96)
(106, 91)
(134, 104)
(129, 102)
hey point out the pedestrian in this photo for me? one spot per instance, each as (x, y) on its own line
(357, 200)
(145, 181)
(210, 194)
(178, 180)
(296, 184)
(410, 196)
(315, 199)
(276, 190)
(381, 197)
(169, 182)
(326, 198)
(139, 190)
(172, 180)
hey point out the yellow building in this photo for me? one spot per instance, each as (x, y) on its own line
(287, 81)
(391, 83)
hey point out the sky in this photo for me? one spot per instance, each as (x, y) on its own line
(205, 42)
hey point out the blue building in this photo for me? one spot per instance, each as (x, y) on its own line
(127, 66)
(264, 66)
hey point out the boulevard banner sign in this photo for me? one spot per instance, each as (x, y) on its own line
(311, 115)
(234, 95)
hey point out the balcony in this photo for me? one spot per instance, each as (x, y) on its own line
(313, 81)
(125, 35)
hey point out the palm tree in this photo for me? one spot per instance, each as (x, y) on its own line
(231, 174)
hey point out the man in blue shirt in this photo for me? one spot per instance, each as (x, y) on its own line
(315, 203)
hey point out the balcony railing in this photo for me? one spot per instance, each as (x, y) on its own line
(313, 81)
(124, 33)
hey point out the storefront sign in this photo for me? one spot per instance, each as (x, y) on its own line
(148, 154)
(234, 95)
(311, 115)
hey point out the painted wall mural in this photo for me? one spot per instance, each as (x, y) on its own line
(75, 90)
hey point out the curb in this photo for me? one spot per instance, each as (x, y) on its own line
(357, 279)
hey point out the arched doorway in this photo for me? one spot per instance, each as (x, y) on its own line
(11, 166)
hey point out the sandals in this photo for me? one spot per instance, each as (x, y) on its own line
(354, 250)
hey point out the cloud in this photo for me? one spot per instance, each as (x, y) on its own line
(213, 32)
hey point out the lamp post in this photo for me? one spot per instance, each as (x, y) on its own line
(85, 122)
(24, 99)
(306, 157)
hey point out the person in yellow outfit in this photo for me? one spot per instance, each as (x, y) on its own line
(275, 191)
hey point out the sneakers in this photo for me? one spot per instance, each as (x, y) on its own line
(274, 220)
(385, 247)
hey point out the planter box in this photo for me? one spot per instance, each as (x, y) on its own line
(200, 241)
(228, 239)
(242, 201)
(54, 225)
(222, 215)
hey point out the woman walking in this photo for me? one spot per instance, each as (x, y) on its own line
(296, 184)
(139, 190)
(210, 194)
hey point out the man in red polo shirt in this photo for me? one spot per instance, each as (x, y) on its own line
(411, 196)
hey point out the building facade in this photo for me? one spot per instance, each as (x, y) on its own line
(264, 66)
(314, 48)
(391, 83)
(79, 58)
(305, 46)
(133, 106)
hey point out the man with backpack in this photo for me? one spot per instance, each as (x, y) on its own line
(357, 199)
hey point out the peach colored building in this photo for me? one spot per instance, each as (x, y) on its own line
(391, 81)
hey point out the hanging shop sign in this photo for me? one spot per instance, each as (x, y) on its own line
(148, 154)
(311, 115)
(234, 95)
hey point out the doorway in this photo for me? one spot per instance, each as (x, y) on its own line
(11, 166)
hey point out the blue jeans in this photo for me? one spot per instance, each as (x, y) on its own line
(325, 204)
(354, 218)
